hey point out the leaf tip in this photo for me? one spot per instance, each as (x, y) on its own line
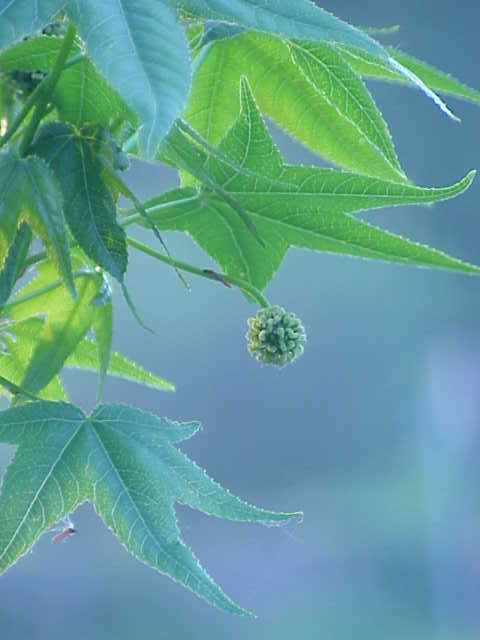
(296, 517)
(471, 176)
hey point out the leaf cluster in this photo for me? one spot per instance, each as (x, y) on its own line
(85, 87)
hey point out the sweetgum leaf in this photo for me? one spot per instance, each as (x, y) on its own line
(292, 206)
(67, 322)
(89, 207)
(299, 19)
(371, 67)
(142, 52)
(19, 340)
(306, 88)
(44, 301)
(14, 262)
(82, 95)
(125, 463)
(19, 18)
(30, 193)
(85, 356)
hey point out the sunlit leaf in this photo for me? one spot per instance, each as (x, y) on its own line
(19, 340)
(30, 193)
(67, 322)
(13, 264)
(292, 206)
(306, 88)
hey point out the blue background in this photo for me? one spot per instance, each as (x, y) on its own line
(373, 433)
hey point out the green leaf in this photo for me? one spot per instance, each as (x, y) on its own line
(182, 151)
(19, 340)
(325, 106)
(30, 193)
(67, 322)
(299, 19)
(102, 325)
(89, 207)
(123, 461)
(81, 95)
(292, 206)
(11, 182)
(342, 89)
(14, 261)
(371, 67)
(143, 53)
(19, 18)
(86, 354)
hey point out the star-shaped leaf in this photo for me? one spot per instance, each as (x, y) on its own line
(298, 206)
(307, 89)
(124, 462)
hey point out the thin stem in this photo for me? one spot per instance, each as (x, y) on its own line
(132, 217)
(74, 60)
(27, 107)
(179, 264)
(37, 257)
(185, 266)
(48, 87)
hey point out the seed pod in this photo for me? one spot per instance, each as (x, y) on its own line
(275, 336)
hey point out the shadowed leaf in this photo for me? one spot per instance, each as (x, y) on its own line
(123, 461)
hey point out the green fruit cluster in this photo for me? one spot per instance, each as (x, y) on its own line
(275, 336)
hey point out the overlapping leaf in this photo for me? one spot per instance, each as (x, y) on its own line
(43, 312)
(89, 207)
(82, 95)
(292, 206)
(14, 261)
(306, 88)
(371, 67)
(142, 51)
(20, 18)
(67, 322)
(19, 341)
(29, 193)
(299, 19)
(124, 462)
(139, 34)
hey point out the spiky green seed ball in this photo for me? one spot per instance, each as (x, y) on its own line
(275, 336)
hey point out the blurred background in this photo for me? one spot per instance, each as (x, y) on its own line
(373, 433)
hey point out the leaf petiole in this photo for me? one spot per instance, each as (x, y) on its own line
(246, 287)
(132, 216)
